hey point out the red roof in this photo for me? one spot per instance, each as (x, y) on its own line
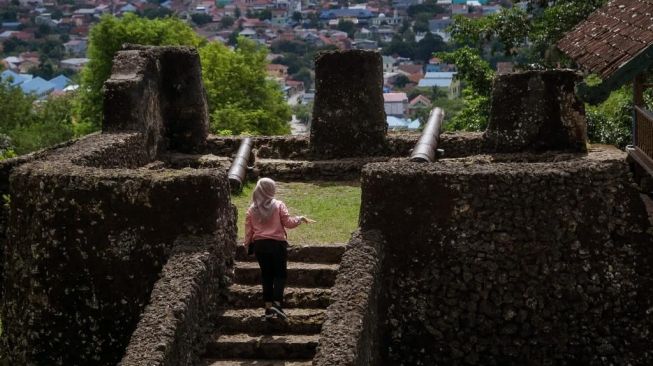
(395, 97)
(611, 36)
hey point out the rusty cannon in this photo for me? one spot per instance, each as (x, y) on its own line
(238, 171)
(425, 150)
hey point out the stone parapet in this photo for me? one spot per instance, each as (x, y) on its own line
(350, 333)
(536, 110)
(512, 259)
(348, 115)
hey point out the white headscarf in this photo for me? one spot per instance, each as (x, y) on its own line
(263, 199)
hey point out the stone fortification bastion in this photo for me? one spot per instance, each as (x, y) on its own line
(522, 245)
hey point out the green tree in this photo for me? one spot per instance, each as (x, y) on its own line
(347, 27)
(401, 80)
(106, 38)
(297, 16)
(304, 75)
(240, 96)
(226, 22)
(15, 108)
(400, 47)
(477, 74)
(429, 45)
(610, 122)
(32, 125)
(200, 19)
(303, 112)
(264, 14)
(51, 124)
(158, 12)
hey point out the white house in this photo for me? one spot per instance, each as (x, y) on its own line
(395, 104)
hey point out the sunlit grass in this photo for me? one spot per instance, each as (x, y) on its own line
(334, 205)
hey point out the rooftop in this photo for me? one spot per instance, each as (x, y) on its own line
(611, 36)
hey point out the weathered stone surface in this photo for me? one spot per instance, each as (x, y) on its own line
(350, 333)
(93, 223)
(536, 110)
(158, 91)
(454, 144)
(96, 242)
(515, 259)
(348, 116)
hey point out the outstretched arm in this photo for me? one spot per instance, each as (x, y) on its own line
(286, 220)
(249, 233)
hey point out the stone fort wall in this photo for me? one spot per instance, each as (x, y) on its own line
(490, 261)
(103, 230)
(119, 244)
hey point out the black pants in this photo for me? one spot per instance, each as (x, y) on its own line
(272, 257)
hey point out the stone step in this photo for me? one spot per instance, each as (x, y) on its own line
(299, 274)
(272, 347)
(322, 253)
(300, 321)
(244, 362)
(244, 296)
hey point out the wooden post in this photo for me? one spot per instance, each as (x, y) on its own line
(638, 101)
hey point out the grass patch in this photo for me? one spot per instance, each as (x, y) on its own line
(334, 205)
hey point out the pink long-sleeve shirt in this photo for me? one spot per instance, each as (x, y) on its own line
(274, 228)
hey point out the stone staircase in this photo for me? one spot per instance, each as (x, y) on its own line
(242, 338)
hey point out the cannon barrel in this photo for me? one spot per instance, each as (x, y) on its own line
(427, 144)
(238, 171)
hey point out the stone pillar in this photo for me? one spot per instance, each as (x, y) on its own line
(158, 91)
(536, 110)
(348, 115)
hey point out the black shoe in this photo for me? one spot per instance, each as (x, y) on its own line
(278, 311)
(269, 314)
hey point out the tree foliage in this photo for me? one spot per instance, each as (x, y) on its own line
(511, 31)
(107, 37)
(477, 75)
(200, 19)
(27, 125)
(241, 98)
(610, 122)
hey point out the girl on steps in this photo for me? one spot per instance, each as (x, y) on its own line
(265, 234)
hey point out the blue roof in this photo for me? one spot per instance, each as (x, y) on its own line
(440, 75)
(128, 8)
(440, 79)
(38, 86)
(342, 13)
(16, 79)
(402, 123)
(60, 82)
(429, 83)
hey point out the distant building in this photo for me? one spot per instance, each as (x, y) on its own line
(361, 15)
(445, 80)
(277, 71)
(365, 44)
(396, 123)
(73, 63)
(76, 47)
(395, 104)
(420, 102)
(505, 67)
(38, 86)
(389, 64)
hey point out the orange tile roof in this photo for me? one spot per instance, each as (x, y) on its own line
(611, 36)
